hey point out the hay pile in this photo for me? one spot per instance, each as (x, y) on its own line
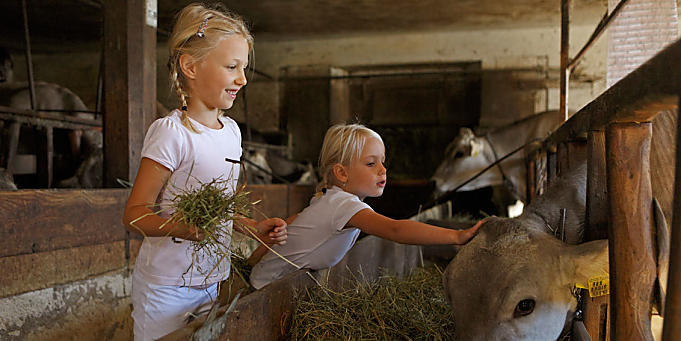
(210, 207)
(412, 308)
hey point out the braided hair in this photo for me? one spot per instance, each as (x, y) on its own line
(199, 29)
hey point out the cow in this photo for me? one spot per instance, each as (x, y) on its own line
(82, 143)
(515, 279)
(469, 154)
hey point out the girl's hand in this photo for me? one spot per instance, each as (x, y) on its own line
(189, 232)
(466, 235)
(272, 231)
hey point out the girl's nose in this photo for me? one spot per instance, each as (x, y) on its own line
(381, 169)
(241, 79)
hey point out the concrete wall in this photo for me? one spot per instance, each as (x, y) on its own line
(535, 50)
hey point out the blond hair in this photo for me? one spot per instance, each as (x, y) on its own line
(343, 144)
(199, 29)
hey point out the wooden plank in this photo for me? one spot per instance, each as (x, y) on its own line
(126, 76)
(631, 245)
(279, 200)
(596, 189)
(672, 308)
(596, 310)
(299, 198)
(12, 145)
(577, 150)
(652, 87)
(562, 161)
(42, 270)
(531, 179)
(46, 220)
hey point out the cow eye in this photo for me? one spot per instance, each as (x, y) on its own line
(524, 308)
(458, 155)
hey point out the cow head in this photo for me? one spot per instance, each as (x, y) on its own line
(515, 283)
(465, 156)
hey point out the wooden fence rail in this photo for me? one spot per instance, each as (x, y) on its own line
(619, 131)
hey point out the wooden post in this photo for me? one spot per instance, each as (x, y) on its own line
(531, 178)
(632, 256)
(672, 308)
(596, 309)
(564, 56)
(596, 189)
(44, 157)
(129, 84)
(562, 159)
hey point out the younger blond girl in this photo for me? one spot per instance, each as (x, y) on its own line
(352, 168)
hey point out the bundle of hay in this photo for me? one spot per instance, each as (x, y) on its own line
(210, 207)
(412, 308)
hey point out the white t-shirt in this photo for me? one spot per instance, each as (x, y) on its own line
(193, 159)
(317, 238)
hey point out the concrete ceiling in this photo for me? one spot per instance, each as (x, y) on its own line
(55, 23)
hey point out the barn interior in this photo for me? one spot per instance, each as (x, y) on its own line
(415, 72)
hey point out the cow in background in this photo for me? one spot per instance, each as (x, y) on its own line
(84, 145)
(469, 154)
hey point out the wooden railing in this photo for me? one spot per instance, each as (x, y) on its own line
(618, 130)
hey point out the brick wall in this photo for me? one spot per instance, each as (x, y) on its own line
(642, 29)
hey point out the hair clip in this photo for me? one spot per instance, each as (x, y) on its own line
(202, 29)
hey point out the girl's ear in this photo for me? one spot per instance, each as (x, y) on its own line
(188, 66)
(340, 173)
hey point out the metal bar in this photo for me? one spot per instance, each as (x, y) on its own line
(600, 28)
(29, 60)
(41, 122)
(46, 116)
(564, 56)
(672, 317)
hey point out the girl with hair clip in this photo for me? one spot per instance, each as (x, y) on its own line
(209, 52)
(352, 168)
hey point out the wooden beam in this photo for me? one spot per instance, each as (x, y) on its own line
(631, 245)
(596, 189)
(129, 86)
(672, 317)
(45, 220)
(564, 56)
(596, 309)
(42, 270)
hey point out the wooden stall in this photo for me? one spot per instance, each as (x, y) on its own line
(618, 125)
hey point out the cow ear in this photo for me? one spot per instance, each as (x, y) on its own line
(463, 131)
(584, 261)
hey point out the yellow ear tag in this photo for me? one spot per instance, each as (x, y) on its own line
(597, 286)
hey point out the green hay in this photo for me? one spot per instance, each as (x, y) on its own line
(412, 308)
(210, 207)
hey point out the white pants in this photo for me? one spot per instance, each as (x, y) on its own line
(159, 310)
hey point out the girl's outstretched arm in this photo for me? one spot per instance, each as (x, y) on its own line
(410, 231)
(151, 177)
